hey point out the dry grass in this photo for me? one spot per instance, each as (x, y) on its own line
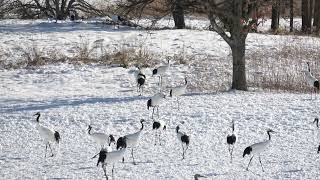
(281, 68)
(276, 68)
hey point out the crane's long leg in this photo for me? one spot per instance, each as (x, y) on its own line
(231, 152)
(160, 138)
(261, 163)
(133, 157)
(142, 87)
(113, 171)
(229, 149)
(249, 163)
(51, 150)
(178, 103)
(158, 111)
(182, 151)
(155, 137)
(152, 112)
(104, 170)
(45, 153)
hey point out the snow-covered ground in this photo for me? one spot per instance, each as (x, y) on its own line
(70, 97)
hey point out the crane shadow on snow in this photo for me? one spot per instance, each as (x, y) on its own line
(37, 106)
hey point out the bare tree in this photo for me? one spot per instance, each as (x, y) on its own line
(316, 16)
(291, 15)
(275, 15)
(4, 7)
(231, 19)
(159, 9)
(57, 9)
(306, 13)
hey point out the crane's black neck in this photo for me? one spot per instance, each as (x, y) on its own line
(177, 129)
(316, 120)
(38, 117)
(185, 80)
(141, 125)
(232, 127)
(269, 135)
(89, 130)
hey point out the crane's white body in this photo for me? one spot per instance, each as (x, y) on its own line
(310, 79)
(46, 134)
(259, 147)
(179, 90)
(179, 135)
(162, 123)
(156, 99)
(99, 138)
(133, 139)
(161, 70)
(114, 156)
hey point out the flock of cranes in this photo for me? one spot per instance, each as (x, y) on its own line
(108, 155)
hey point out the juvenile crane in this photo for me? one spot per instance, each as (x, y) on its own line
(155, 101)
(257, 148)
(47, 135)
(184, 139)
(101, 138)
(158, 126)
(312, 81)
(231, 140)
(131, 140)
(178, 91)
(160, 71)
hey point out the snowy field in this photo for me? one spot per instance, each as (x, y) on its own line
(70, 97)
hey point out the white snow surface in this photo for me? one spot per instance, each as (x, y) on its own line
(70, 97)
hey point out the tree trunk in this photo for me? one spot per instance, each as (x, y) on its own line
(304, 9)
(306, 14)
(317, 15)
(275, 15)
(310, 10)
(291, 15)
(178, 14)
(239, 80)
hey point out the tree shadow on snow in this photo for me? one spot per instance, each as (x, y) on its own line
(42, 105)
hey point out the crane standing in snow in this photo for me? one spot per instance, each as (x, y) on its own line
(47, 135)
(257, 148)
(131, 140)
(160, 71)
(184, 139)
(141, 79)
(101, 138)
(158, 126)
(155, 101)
(110, 157)
(178, 91)
(231, 140)
(312, 81)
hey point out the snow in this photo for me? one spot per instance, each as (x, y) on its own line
(70, 97)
